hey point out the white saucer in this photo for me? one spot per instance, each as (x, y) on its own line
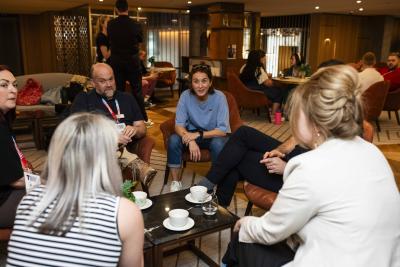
(147, 204)
(189, 198)
(189, 224)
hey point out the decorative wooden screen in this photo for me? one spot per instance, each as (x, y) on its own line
(72, 44)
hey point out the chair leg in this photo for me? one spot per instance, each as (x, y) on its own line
(389, 116)
(377, 125)
(396, 112)
(248, 208)
(166, 174)
(172, 90)
(269, 115)
(258, 112)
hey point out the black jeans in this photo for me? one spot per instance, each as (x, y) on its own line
(129, 70)
(240, 159)
(250, 254)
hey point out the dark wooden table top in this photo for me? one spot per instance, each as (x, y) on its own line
(158, 212)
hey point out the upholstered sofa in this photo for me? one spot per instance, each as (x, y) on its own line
(48, 81)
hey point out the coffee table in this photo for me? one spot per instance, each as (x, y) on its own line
(162, 238)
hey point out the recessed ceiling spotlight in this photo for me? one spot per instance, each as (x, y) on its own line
(139, 8)
(317, 7)
(360, 9)
(101, 0)
(358, 2)
(189, 2)
(187, 11)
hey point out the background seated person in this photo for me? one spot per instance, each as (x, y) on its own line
(78, 216)
(12, 183)
(324, 206)
(119, 106)
(368, 75)
(253, 75)
(295, 64)
(149, 80)
(249, 154)
(202, 121)
(392, 71)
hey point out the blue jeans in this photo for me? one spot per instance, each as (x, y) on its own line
(176, 148)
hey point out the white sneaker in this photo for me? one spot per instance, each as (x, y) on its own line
(175, 186)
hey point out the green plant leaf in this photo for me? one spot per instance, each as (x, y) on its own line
(127, 188)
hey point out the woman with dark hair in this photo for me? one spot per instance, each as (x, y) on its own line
(253, 75)
(202, 121)
(295, 64)
(12, 184)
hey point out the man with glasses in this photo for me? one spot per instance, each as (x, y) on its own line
(392, 71)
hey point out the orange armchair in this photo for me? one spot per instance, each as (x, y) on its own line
(166, 79)
(168, 128)
(245, 97)
(264, 198)
(374, 99)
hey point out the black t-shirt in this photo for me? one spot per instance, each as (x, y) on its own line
(10, 164)
(92, 102)
(124, 35)
(101, 40)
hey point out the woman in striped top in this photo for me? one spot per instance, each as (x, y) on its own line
(78, 218)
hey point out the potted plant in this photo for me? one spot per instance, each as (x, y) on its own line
(304, 70)
(152, 59)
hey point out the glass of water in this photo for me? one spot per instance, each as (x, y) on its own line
(210, 207)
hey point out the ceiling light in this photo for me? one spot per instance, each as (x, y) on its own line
(189, 2)
(187, 11)
(317, 7)
(139, 8)
(101, 0)
(360, 9)
(358, 2)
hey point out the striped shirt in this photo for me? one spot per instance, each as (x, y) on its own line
(94, 242)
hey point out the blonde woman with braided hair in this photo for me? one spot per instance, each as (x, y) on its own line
(339, 204)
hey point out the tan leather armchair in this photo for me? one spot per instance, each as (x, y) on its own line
(166, 79)
(374, 99)
(245, 97)
(392, 103)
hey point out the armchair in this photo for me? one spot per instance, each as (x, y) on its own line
(166, 79)
(392, 103)
(374, 99)
(245, 97)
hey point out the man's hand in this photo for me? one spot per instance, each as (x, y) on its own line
(274, 165)
(194, 151)
(273, 153)
(188, 137)
(129, 131)
(123, 139)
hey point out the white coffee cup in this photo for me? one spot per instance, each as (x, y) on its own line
(198, 192)
(140, 198)
(178, 217)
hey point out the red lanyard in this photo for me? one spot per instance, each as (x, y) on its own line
(22, 158)
(115, 117)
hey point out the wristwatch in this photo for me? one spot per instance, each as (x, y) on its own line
(201, 135)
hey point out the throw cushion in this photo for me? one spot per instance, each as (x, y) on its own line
(51, 96)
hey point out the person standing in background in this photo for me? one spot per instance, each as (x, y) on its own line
(125, 36)
(102, 43)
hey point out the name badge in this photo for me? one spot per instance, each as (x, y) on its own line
(121, 127)
(31, 181)
(120, 116)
